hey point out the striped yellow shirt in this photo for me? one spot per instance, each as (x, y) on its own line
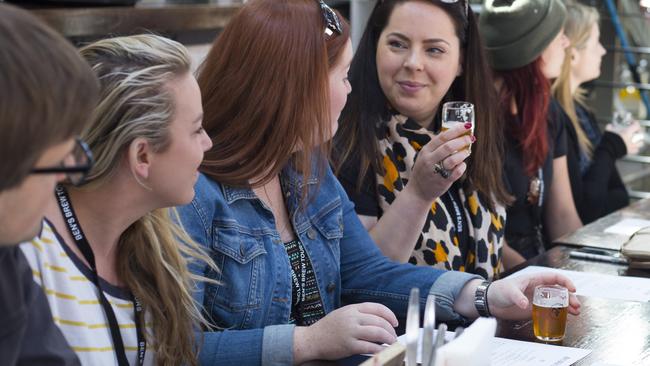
(74, 302)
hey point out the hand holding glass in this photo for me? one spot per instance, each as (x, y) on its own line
(624, 125)
(550, 308)
(454, 113)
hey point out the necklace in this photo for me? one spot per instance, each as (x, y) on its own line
(277, 213)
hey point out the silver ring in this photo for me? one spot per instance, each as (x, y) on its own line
(440, 169)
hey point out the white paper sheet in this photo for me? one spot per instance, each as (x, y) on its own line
(628, 227)
(472, 348)
(508, 352)
(601, 285)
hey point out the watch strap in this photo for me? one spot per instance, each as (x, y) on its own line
(480, 299)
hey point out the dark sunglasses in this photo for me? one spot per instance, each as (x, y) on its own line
(75, 165)
(332, 22)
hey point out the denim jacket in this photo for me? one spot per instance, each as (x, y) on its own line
(252, 302)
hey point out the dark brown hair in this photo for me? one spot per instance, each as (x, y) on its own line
(47, 92)
(367, 109)
(265, 87)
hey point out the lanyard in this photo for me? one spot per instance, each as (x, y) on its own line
(458, 214)
(540, 174)
(82, 243)
(537, 214)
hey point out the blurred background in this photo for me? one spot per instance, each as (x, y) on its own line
(623, 87)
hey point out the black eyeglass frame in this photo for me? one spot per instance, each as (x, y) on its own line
(83, 169)
(332, 22)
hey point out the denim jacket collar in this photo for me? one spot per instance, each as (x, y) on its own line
(296, 180)
(232, 194)
(292, 181)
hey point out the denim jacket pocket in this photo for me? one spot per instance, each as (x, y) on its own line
(240, 257)
(329, 221)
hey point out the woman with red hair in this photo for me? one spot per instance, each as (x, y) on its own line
(299, 277)
(526, 44)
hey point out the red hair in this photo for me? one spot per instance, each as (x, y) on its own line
(530, 90)
(265, 91)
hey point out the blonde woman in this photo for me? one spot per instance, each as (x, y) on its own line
(591, 155)
(109, 256)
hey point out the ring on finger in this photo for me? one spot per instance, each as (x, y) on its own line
(440, 169)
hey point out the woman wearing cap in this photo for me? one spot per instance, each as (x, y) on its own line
(413, 57)
(526, 45)
(591, 154)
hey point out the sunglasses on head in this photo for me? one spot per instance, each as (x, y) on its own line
(332, 22)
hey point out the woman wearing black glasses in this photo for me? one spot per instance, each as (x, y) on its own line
(38, 126)
(413, 57)
(110, 257)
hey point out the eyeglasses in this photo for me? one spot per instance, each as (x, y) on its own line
(75, 165)
(332, 22)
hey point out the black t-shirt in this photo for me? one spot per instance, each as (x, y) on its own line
(522, 217)
(28, 335)
(366, 198)
(600, 190)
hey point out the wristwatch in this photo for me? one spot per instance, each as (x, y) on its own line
(480, 299)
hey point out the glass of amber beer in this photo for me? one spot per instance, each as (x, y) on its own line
(454, 113)
(550, 308)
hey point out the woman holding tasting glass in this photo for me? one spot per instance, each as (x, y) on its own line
(402, 150)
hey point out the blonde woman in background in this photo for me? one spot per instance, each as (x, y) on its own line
(110, 256)
(591, 154)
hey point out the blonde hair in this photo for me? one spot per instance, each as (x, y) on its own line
(153, 253)
(577, 28)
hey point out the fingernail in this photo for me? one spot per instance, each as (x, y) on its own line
(473, 138)
(468, 126)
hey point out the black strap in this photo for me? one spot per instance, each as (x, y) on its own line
(452, 201)
(458, 215)
(537, 214)
(77, 234)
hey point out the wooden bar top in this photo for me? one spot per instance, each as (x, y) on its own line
(617, 331)
(593, 234)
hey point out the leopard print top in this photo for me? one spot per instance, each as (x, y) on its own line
(438, 243)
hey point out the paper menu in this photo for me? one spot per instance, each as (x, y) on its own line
(628, 227)
(601, 285)
(508, 352)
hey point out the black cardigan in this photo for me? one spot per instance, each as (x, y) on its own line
(600, 190)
